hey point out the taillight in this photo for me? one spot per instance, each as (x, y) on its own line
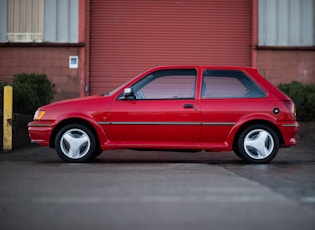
(291, 106)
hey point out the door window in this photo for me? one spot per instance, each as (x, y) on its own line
(167, 84)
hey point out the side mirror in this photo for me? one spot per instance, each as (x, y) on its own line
(129, 94)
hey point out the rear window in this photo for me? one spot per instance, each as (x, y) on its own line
(229, 84)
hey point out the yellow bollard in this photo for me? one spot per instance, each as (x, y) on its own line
(7, 118)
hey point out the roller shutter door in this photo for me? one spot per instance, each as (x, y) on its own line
(128, 37)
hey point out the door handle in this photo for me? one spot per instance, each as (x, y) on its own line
(188, 106)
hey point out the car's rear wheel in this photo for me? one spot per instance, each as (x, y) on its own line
(75, 143)
(257, 144)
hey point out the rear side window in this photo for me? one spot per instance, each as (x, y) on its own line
(229, 84)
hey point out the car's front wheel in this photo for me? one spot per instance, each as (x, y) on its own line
(75, 143)
(257, 144)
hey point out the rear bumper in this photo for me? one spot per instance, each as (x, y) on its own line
(289, 132)
(40, 132)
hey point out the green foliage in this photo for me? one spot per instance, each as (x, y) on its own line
(30, 91)
(304, 98)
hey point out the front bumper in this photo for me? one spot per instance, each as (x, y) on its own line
(40, 132)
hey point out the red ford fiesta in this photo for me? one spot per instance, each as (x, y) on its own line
(173, 108)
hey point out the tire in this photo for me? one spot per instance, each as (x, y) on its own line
(75, 143)
(257, 144)
(237, 153)
(98, 152)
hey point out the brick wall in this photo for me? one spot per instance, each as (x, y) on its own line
(285, 66)
(52, 61)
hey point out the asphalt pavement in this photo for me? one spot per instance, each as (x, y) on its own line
(127, 189)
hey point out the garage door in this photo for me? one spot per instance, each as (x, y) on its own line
(128, 37)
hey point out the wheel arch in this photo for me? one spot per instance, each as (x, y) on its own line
(68, 121)
(257, 122)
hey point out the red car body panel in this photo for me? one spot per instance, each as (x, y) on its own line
(196, 123)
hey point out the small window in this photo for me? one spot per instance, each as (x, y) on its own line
(38, 21)
(25, 21)
(229, 84)
(167, 84)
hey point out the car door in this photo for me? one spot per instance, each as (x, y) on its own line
(162, 112)
(226, 97)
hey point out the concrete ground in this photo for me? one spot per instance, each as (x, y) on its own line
(127, 189)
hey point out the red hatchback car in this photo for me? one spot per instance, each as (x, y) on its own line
(174, 108)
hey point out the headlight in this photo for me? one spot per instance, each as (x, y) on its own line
(39, 114)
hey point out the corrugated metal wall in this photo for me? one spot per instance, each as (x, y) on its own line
(3, 20)
(128, 37)
(286, 22)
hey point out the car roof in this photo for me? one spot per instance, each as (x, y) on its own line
(204, 66)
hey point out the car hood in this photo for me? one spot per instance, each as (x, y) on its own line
(82, 105)
(76, 100)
